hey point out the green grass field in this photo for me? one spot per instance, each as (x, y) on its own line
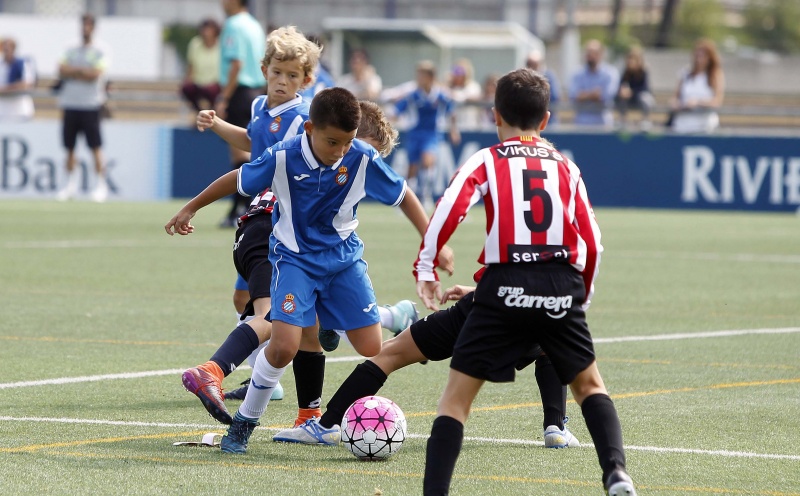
(101, 311)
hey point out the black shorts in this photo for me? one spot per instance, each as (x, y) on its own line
(436, 334)
(251, 256)
(517, 306)
(81, 121)
(238, 111)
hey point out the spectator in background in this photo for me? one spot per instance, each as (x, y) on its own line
(594, 87)
(242, 44)
(362, 80)
(701, 89)
(535, 61)
(466, 93)
(82, 96)
(428, 109)
(634, 88)
(322, 76)
(487, 100)
(201, 82)
(17, 79)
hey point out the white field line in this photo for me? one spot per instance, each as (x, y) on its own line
(622, 339)
(524, 442)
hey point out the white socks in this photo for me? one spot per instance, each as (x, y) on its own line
(258, 351)
(387, 319)
(263, 381)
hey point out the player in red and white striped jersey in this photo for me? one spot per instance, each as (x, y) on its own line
(540, 258)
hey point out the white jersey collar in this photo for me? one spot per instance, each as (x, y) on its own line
(294, 102)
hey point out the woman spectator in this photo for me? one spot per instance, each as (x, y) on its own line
(362, 80)
(634, 88)
(701, 89)
(466, 93)
(202, 66)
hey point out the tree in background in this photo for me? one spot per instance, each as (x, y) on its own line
(774, 24)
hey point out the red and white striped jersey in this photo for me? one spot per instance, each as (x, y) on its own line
(537, 210)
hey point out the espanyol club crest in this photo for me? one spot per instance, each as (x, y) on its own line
(275, 125)
(288, 305)
(342, 176)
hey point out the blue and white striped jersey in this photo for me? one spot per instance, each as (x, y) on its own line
(317, 204)
(426, 112)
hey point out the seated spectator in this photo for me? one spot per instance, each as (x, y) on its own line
(17, 79)
(201, 83)
(593, 88)
(701, 89)
(362, 80)
(466, 93)
(634, 88)
(535, 61)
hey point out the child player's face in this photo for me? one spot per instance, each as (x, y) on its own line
(284, 80)
(329, 143)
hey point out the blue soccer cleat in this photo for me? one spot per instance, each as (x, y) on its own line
(240, 393)
(235, 441)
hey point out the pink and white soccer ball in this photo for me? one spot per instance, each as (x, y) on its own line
(373, 428)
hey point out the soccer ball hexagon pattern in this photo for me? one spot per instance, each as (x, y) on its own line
(373, 428)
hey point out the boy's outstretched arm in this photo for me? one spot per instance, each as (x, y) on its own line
(233, 135)
(222, 187)
(412, 208)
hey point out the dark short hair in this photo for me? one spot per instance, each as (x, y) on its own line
(335, 107)
(88, 18)
(211, 23)
(522, 98)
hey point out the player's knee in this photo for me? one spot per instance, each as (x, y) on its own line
(280, 354)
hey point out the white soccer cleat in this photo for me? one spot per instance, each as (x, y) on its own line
(310, 432)
(556, 438)
(619, 483)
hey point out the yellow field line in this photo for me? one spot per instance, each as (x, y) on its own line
(640, 394)
(386, 473)
(83, 442)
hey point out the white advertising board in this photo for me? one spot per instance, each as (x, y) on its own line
(137, 156)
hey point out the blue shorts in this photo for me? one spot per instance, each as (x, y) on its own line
(240, 284)
(417, 143)
(332, 285)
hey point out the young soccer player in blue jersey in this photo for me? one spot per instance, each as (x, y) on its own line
(319, 178)
(288, 66)
(428, 109)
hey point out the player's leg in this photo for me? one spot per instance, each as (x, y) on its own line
(603, 423)
(568, 343)
(295, 293)
(91, 128)
(268, 371)
(447, 432)
(205, 381)
(554, 405)
(309, 375)
(432, 338)
(69, 134)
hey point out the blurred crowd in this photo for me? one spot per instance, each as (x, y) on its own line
(600, 94)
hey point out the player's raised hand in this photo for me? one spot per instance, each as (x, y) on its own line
(447, 260)
(429, 292)
(205, 119)
(180, 223)
(454, 293)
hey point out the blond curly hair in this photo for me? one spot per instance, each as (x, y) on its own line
(287, 43)
(376, 126)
